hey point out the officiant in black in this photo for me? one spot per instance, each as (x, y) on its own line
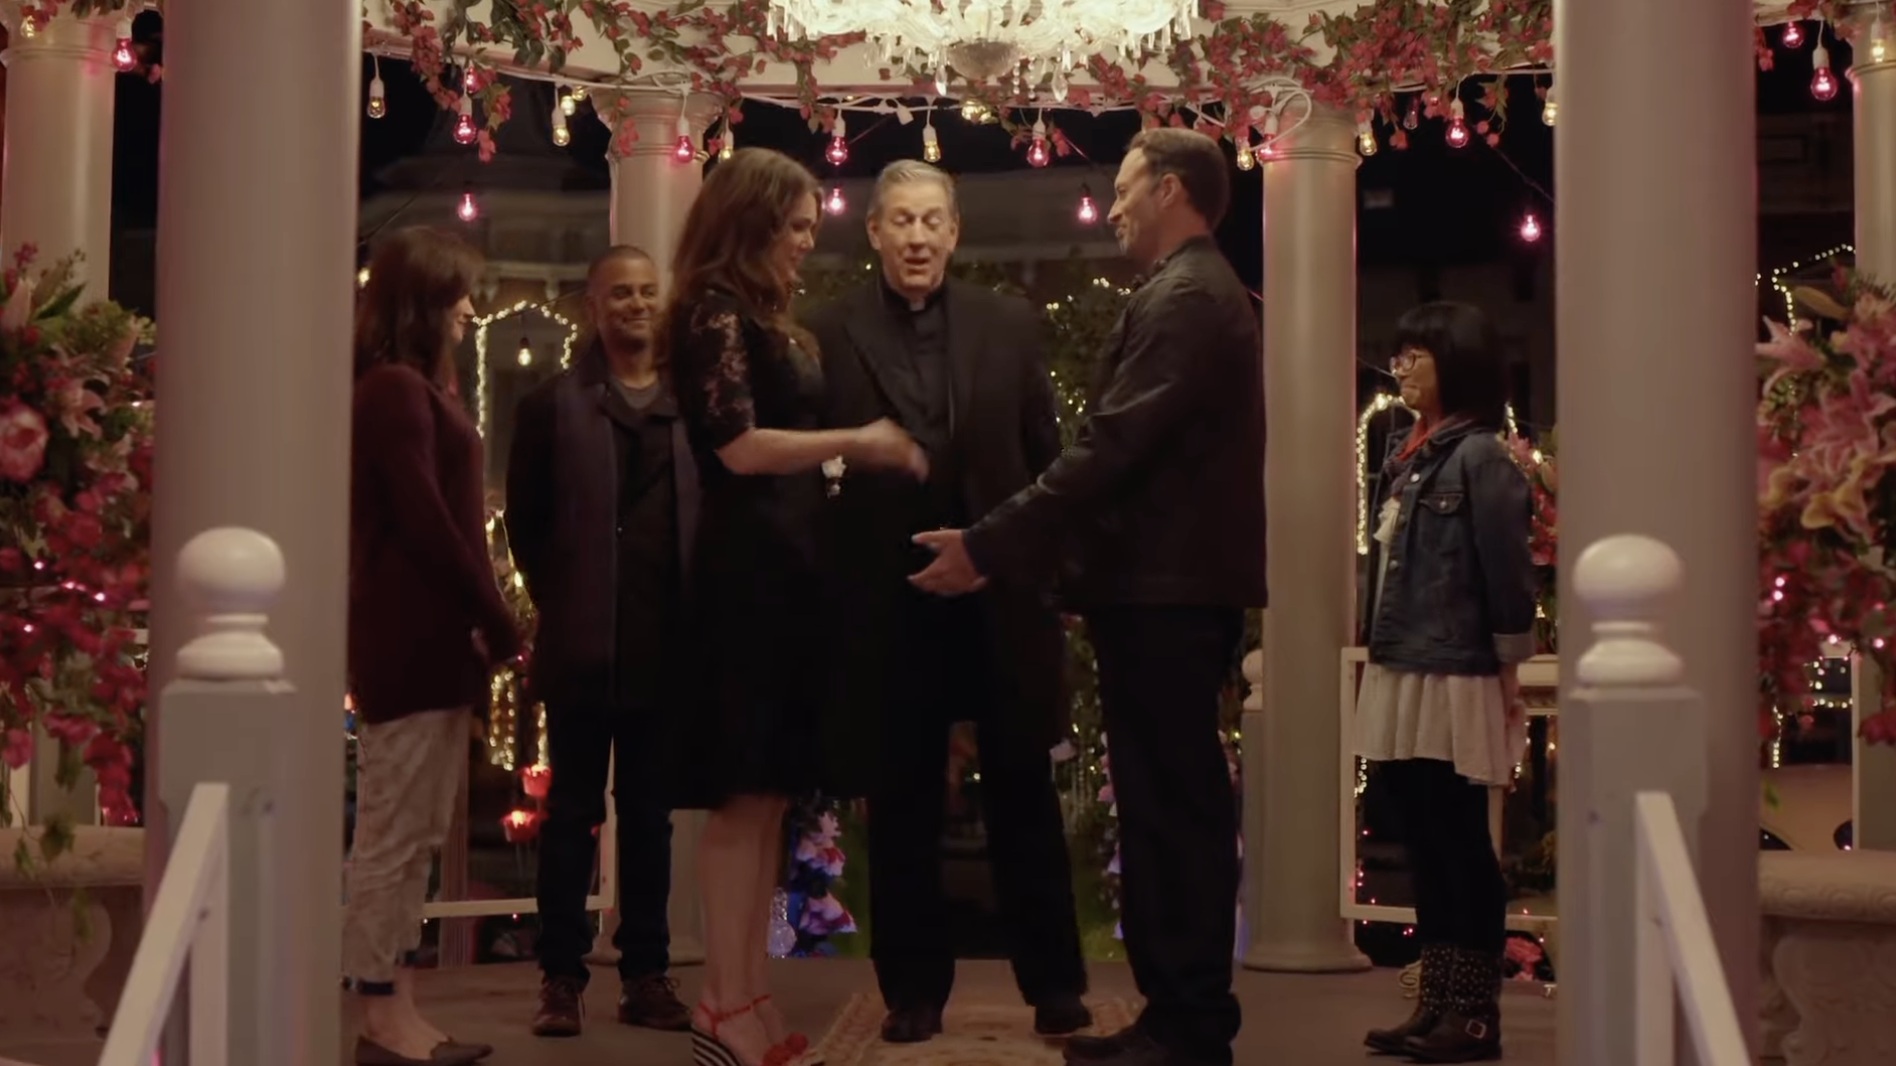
(960, 367)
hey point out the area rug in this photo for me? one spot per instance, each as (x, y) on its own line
(976, 1033)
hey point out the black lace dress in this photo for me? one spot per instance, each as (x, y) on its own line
(753, 719)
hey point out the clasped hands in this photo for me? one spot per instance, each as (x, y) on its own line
(884, 444)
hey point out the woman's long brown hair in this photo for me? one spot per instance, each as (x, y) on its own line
(744, 205)
(416, 277)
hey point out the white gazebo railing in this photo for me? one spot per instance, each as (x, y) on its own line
(189, 922)
(1676, 952)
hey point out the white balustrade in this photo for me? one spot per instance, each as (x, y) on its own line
(1676, 952)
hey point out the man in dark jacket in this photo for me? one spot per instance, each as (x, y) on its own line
(601, 505)
(1158, 512)
(960, 368)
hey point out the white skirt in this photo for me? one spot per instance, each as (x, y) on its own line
(1453, 718)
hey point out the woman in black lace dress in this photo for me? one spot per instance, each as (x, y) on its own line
(752, 729)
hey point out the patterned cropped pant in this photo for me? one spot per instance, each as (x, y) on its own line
(408, 773)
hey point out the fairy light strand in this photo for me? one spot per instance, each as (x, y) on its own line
(482, 391)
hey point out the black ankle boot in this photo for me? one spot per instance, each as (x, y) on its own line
(1469, 1029)
(1430, 987)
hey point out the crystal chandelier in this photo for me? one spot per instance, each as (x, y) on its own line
(992, 39)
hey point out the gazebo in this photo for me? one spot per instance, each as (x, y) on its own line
(1655, 276)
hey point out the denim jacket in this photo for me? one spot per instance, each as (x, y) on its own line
(1458, 592)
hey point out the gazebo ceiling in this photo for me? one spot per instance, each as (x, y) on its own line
(1244, 63)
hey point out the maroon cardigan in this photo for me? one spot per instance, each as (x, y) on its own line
(420, 578)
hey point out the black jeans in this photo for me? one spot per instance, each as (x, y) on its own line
(1161, 672)
(1033, 880)
(580, 736)
(1460, 895)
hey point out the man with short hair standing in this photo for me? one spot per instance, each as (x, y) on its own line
(961, 368)
(1158, 513)
(602, 501)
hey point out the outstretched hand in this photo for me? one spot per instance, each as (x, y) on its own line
(953, 572)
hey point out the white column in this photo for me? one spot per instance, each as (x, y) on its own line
(1656, 246)
(651, 194)
(1291, 827)
(58, 168)
(1874, 118)
(256, 256)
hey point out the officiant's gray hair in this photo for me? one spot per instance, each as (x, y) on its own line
(905, 171)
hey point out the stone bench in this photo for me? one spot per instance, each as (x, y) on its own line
(56, 984)
(1830, 957)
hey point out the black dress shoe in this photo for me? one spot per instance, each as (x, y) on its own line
(1061, 1017)
(911, 1025)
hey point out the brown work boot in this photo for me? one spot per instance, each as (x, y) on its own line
(651, 1002)
(562, 1007)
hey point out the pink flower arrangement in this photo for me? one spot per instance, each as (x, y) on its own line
(75, 504)
(1826, 503)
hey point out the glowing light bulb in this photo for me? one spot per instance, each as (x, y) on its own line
(1823, 81)
(838, 151)
(974, 111)
(1793, 35)
(464, 131)
(469, 210)
(122, 55)
(1530, 228)
(562, 136)
(362, 277)
(1037, 154)
(1269, 144)
(836, 205)
(1413, 117)
(569, 103)
(684, 149)
(1550, 110)
(941, 81)
(378, 98)
(1366, 140)
(1879, 45)
(1458, 136)
(1089, 211)
(1247, 159)
(470, 81)
(931, 145)
(525, 356)
(727, 144)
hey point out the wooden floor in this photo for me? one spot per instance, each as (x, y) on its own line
(1288, 1020)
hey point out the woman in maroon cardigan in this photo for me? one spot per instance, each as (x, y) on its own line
(426, 621)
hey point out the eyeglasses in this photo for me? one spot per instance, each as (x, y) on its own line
(1404, 361)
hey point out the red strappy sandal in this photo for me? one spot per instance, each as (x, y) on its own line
(796, 1043)
(708, 1049)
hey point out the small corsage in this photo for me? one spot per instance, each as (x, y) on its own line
(833, 470)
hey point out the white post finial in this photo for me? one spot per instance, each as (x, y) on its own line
(1624, 581)
(231, 576)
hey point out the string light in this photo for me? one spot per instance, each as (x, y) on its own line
(362, 277)
(525, 356)
(1879, 48)
(683, 149)
(378, 97)
(468, 210)
(464, 131)
(1365, 139)
(470, 81)
(931, 144)
(1550, 109)
(579, 93)
(1247, 159)
(569, 102)
(1457, 125)
(838, 151)
(562, 136)
(1530, 228)
(1793, 36)
(836, 205)
(727, 144)
(1270, 135)
(1037, 154)
(1783, 288)
(975, 111)
(123, 57)
(1823, 81)
(1089, 211)
(483, 403)
(1413, 117)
